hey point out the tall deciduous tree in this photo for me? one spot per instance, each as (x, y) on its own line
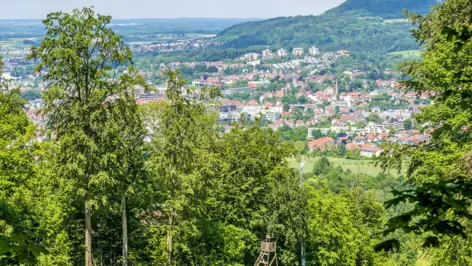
(79, 54)
(183, 129)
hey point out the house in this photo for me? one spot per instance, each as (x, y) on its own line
(319, 144)
(267, 53)
(342, 136)
(352, 146)
(384, 135)
(371, 137)
(282, 52)
(313, 50)
(288, 123)
(252, 102)
(359, 140)
(251, 57)
(280, 93)
(370, 150)
(297, 51)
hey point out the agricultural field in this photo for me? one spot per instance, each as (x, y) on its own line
(356, 166)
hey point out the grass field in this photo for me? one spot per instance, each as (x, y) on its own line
(408, 53)
(356, 166)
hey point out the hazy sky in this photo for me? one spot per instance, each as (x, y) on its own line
(169, 8)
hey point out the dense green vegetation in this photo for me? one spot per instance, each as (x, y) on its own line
(329, 32)
(115, 183)
(439, 171)
(384, 8)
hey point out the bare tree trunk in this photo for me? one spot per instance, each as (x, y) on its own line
(88, 236)
(169, 240)
(124, 223)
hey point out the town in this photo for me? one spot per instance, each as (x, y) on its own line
(294, 92)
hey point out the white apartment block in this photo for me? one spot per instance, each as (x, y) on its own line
(297, 51)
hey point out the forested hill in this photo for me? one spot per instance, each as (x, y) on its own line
(384, 8)
(353, 25)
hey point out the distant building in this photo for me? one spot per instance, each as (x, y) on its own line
(282, 52)
(297, 51)
(370, 150)
(313, 51)
(251, 57)
(255, 84)
(254, 63)
(319, 144)
(344, 52)
(267, 53)
(35, 104)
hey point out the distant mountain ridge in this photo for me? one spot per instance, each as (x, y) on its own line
(385, 8)
(356, 25)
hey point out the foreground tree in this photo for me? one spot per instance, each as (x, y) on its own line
(127, 133)
(18, 225)
(79, 55)
(183, 130)
(438, 171)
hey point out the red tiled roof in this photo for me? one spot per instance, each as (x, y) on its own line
(318, 144)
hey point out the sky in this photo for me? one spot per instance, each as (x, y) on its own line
(34, 9)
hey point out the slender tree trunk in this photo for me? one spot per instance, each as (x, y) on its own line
(124, 223)
(88, 236)
(169, 240)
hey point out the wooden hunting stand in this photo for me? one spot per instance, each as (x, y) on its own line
(268, 254)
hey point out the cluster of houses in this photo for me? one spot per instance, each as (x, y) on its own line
(368, 145)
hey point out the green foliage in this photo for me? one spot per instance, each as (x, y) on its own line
(350, 239)
(20, 233)
(321, 167)
(374, 118)
(440, 169)
(240, 96)
(323, 124)
(407, 124)
(294, 134)
(316, 134)
(384, 8)
(80, 54)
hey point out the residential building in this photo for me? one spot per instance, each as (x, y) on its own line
(297, 51)
(251, 57)
(313, 51)
(369, 150)
(319, 144)
(282, 52)
(267, 53)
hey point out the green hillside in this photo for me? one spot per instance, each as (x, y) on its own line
(356, 25)
(385, 8)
